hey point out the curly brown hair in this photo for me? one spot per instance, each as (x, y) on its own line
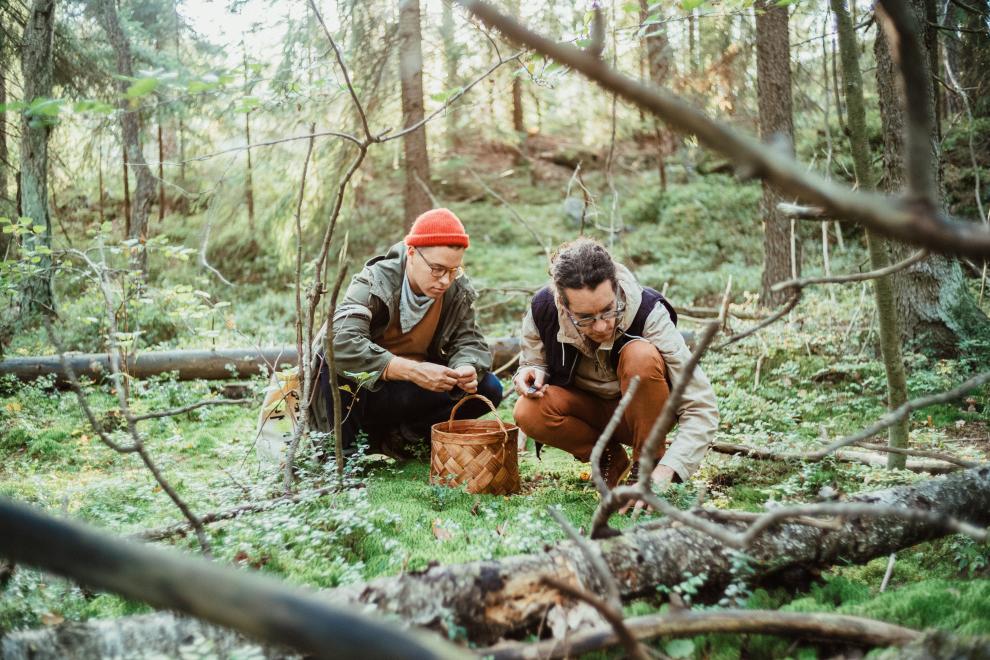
(583, 263)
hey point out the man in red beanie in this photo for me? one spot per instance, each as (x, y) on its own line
(407, 323)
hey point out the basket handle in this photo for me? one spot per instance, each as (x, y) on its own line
(486, 400)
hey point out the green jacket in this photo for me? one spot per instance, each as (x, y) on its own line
(371, 301)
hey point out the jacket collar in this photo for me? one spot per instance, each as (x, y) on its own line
(386, 273)
(629, 292)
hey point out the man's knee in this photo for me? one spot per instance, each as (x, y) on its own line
(490, 387)
(643, 359)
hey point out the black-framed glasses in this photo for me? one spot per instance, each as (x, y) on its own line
(438, 271)
(607, 315)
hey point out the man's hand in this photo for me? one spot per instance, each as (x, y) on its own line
(467, 378)
(529, 382)
(662, 476)
(435, 377)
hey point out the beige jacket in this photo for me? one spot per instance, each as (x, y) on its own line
(698, 413)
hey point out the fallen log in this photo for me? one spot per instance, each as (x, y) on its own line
(195, 364)
(490, 600)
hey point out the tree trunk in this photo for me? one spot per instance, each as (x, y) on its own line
(935, 309)
(658, 64)
(4, 156)
(773, 67)
(883, 288)
(36, 69)
(973, 54)
(417, 198)
(451, 60)
(491, 599)
(144, 188)
(249, 174)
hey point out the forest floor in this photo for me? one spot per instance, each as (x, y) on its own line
(816, 370)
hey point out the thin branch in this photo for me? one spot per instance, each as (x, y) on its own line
(451, 100)
(268, 143)
(192, 406)
(906, 220)
(770, 320)
(613, 617)
(594, 555)
(343, 68)
(606, 436)
(800, 283)
(853, 630)
(905, 410)
(515, 214)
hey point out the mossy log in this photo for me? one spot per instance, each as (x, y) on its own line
(195, 364)
(489, 600)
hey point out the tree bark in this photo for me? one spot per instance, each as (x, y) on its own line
(36, 68)
(492, 599)
(883, 289)
(658, 65)
(773, 67)
(249, 174)
(144, 188)
(417, 162)
(451, 60)
(517, 102)
(935, 309)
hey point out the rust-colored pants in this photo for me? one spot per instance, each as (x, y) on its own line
(572, 419)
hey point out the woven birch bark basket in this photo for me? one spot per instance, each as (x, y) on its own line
(478, 452)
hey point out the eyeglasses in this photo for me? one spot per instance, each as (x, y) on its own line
(438, 271)
(607, 315)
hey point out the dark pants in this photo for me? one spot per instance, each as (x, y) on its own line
(397, 404)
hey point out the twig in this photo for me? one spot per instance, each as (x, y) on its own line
(770, 320)
(889, 572)
(829, 627)
(515, 214)
(613, 617)
(192, 406)
(343, 69)
(508, 364)
(800, 283)
(606, 436)
(918, 224)
(204, 244)
(252, 507)
(595, 558)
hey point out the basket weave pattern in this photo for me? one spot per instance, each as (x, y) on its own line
(478, 452)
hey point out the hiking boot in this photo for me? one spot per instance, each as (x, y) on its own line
(615, 464)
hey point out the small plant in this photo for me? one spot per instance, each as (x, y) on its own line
(687, 589)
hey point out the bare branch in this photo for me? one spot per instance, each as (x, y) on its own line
(451, 100)
(905, 220)
(606, 436)
(192, 406)
(267, 143)
(770, 320)
(515, 214)
(612, 616)
(594, 556)
(829, 627)
(903, 411)
(343, 69)
(853, 277)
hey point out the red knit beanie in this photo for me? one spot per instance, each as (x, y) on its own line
(437, 227)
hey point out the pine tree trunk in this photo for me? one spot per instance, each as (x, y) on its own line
(249, 174)
(451, 59)
(36, 69)
(935, 309)
(4, 155)
(773, 66)
(417, 164)
(883, 288)
(144, 188)
(658, 65)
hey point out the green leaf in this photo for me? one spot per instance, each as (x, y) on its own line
(247, 104)
(688, 5)
(141, 87)
(679, 648)
(42, 107)
(94, 106)
(13, 106)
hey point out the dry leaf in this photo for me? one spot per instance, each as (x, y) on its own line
(52, 618)
(439, 532)
(13, 407)
(585, 476)
(500, 529)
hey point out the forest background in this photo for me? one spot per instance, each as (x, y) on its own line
(178, 176)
